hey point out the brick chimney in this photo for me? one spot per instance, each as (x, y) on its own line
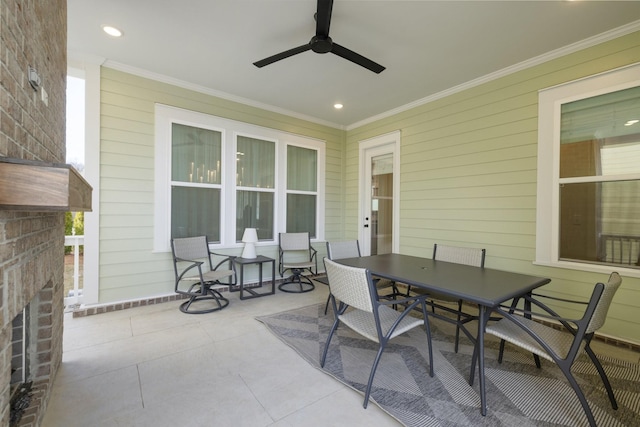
(33, 69)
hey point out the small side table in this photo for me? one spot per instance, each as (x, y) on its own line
(260, 260)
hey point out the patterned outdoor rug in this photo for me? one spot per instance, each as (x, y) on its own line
(518, 394)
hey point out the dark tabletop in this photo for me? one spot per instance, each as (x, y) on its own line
(483, 286)
(255, 260)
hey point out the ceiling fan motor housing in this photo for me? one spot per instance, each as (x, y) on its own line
(321, 44)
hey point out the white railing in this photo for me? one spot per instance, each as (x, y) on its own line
(620, 249)
(74, 296)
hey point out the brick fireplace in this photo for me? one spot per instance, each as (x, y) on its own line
(33, 35)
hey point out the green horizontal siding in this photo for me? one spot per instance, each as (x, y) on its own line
(128, 267)
(469, 173)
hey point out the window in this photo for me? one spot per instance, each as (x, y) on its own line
(255, 183)
(196, 156)
(302, 190)
(216, 177)
(589, 173)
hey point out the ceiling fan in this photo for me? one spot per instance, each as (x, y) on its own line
(322, 43)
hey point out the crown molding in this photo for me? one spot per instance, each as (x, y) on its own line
(212, 92)
(563, 51)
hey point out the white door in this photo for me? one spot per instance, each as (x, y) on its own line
(379, 195)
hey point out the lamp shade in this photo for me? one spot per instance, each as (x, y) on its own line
(250, 235)
(249, 238)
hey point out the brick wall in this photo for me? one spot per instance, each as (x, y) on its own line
(32, 33)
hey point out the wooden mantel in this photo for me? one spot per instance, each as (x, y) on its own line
(27, 185)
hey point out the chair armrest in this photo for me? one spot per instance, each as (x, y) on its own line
(403, 300)
(560, 299)
(414, 303)
(530, 299)
(312, 257)
(228, 259)
(572, 325)
(188, 260)
(194, 264)
(515, 310)
(225, 258)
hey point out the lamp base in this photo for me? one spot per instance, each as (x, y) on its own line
(249, 251)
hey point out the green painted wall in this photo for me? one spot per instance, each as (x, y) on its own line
(128, 268)
(468, 173)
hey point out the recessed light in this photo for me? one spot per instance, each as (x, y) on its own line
(112, 31)
(338, 106)
(631, 122)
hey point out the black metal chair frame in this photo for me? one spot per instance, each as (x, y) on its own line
(204, 282)
(332, 255)
(356, 302)
(435, 301)
(581, 329)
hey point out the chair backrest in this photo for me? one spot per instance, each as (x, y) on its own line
(459, 255)
(600, 313)
(350, 285)
(346, 249)
(191, 248)
(294, 241)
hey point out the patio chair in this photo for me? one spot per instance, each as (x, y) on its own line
(459, 255)
(296, 254)
(368, 315)
(351, 249)
(193, 264)
(559, 346)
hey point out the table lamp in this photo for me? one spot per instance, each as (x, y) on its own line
(249, 238)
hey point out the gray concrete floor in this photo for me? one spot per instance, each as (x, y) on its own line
(155, 366)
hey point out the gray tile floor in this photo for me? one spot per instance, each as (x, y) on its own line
(155, 366)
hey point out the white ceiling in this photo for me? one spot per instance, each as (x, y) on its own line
(427, 46)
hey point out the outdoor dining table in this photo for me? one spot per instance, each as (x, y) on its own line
(486, 287)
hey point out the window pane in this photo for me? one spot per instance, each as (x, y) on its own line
(381, 206)
(195, 154)
(301, 214)
(618, 159)
(254, 210)
(256, 163)
(599, 222)
(592, 126)
(195, 212)
(302, 169)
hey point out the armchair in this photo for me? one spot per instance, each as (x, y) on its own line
(351, 249)
(368, 315)
(193, 264)
(559, 346)
(296, 254)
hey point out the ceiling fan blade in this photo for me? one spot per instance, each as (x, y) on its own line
(356, 58)
(323, 17)
(282, 55)
(322, 43)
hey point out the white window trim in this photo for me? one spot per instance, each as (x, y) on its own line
(166, 115)
(89, 69)
(390, 141)
(550, 101)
